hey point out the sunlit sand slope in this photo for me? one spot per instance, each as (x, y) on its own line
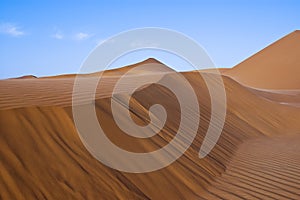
(42, 157)
(275, 67)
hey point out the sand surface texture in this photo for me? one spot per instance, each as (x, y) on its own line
(256, 157)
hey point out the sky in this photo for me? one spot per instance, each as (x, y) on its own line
(46, 38)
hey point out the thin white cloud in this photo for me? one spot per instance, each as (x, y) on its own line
(81, 36)
(58, 36)
(11, 29)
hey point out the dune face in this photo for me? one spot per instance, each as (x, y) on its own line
(275, 67)
(256, 157)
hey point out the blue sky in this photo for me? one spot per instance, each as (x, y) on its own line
(54, 37)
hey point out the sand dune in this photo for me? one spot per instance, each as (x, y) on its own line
(256, 157)
(43, 157)
(287, 97)
(262, 168)
(57, 90)
(275, 67)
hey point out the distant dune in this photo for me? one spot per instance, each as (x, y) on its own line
(275, 67)
(256, 157)
(26, 76)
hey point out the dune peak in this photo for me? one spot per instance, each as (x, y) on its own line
(274, 67)
(26, 77)
(151, 60)
(297, 31)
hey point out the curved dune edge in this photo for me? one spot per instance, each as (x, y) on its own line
(286, 97)
(43, 157)
(274, 67)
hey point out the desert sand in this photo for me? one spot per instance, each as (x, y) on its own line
(274, 67)
(256, 157)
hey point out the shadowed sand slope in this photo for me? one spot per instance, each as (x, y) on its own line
(275, 67)
(42, 156)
